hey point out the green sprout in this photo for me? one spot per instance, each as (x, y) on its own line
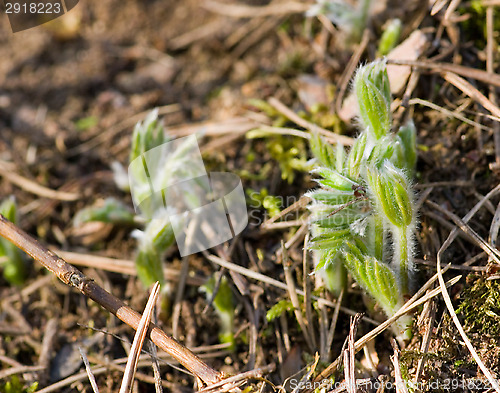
(14, 269)
(390, 37)
(224, 306)
(157, 234)
(366, 202)
(15, 385)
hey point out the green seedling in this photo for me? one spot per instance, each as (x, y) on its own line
(156, 235)
(112, 211)
(224, 307)
(14, 269)
(390, 37)
(363, 215)
(15, 385)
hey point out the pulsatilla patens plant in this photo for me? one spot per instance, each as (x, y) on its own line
(363, 215)
(156, 234)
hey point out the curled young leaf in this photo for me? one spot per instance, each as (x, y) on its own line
(390, 189)
(371, 85)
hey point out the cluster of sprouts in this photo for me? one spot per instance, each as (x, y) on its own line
(363, 215)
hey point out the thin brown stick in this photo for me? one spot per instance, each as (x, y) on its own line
(74, 277)
(140, 336)
(472, 92)
(468, 72)
(247, 11)
(349, 353)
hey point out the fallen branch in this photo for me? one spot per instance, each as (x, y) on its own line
(74, 277)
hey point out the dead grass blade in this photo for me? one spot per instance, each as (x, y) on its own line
(454, 317)
(91, 376)
(278, 284)
(446, 296)
(237, 380)
(488, 249)
(349, 353)
(19, 370)
(140, 336)
(446, 112)
(6, 171)
(331, 136)
(307, 291)
(410, 305)
(247, 11)
(429, 313)
(468, 72)
(302, 202)
(123, 266)
(71, 276)
(400, 382)
(472, 92)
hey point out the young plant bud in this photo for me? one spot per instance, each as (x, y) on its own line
(390, 37)
(323, 151)
(376, 278)
(113, 211)
(371, 85)
(147, 135)
(393, 197)
(348, 226)
(334, 180)
(391, 192)
(356, 156)
(406, 147)
(224, 306)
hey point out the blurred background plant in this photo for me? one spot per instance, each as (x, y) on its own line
(11, 258)
(223, 303)
(156, 235)
(350, 19)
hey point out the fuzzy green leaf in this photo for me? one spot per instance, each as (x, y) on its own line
(332, 198)
(147, 135)
(371, 85)
(376, 278)
(149, 265)
(355, 157)
(407, 147)
(113, 211)
(333, 179)
(391, 190)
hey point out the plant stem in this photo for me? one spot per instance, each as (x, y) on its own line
(74, 277)
(402, 256)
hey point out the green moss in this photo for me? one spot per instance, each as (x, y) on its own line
(480, 308)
